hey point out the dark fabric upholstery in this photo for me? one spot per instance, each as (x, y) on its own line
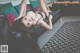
(67, 9)
(17, 41)
(4, 29)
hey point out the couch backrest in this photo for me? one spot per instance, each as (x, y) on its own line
(4, 29)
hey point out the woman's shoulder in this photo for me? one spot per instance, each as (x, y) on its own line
(30, 12)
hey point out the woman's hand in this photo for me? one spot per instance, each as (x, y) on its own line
(47, 26)
(51, 17)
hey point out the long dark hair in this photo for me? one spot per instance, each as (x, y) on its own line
(28, 33)
(18, 26)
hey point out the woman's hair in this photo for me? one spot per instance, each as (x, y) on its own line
(18, 26)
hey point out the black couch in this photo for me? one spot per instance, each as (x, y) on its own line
(16, 41)
(68, 9)
(19, 42)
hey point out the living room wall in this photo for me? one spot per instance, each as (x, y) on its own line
(15, 2)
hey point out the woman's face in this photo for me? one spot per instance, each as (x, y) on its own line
(27, 21)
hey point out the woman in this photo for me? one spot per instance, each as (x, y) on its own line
(24, 22)
(32, 18)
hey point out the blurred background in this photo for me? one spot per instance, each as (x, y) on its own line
(16, 2)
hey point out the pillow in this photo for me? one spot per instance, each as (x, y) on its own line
(11, 15)
(35, 5)
(17, 7)
(7, 11)
(5, 6)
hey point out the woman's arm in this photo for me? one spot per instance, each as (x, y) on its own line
(45, 25)
(22, 8)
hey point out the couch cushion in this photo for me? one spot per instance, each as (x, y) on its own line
(35, 5)
(28, 8)
(11, 15)
(5, 6)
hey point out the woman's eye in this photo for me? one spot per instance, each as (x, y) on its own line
(25, 18)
